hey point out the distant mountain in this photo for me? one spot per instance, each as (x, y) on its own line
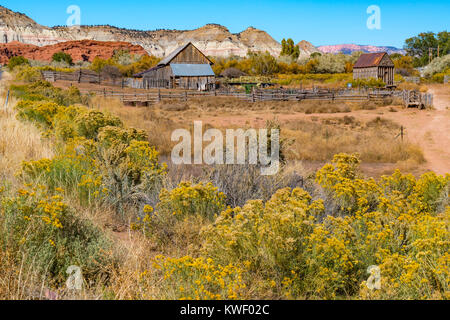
(306, 48)
(349, 48)
(212, 39)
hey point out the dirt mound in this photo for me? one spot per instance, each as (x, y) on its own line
(83, 50)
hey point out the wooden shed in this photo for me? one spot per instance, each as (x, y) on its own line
(375, 65)
(186, 68)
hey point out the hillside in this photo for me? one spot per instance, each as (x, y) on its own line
(83, 50)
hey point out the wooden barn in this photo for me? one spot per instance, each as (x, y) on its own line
(186, 68)
(375, 65)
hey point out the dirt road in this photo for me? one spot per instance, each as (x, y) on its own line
(431, 129)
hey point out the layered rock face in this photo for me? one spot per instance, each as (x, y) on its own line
(306, 48)
(212, 39)
(83, 50)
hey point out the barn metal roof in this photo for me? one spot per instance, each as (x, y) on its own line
(368, 60)
(191, 70)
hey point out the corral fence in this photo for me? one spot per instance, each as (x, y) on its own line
(85, 76)
(446, 79)
(415, 80)
(409, 98)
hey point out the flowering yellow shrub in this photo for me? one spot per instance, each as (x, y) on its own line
(191, 278)
(188, 200)
(110, 135)
(39, 112)
(181, 213)
(45, 234)
(398, 224)
(142, 161)
(88, 123)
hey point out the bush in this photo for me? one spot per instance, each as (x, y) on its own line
(88, 124)
(43, 90)
(438, 65)
(17, 61)
(62, 57)
(185, 204)
(41, 113)
(46, 235)
(191, 278)
(28, 74)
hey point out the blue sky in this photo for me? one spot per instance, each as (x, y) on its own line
(320, 22)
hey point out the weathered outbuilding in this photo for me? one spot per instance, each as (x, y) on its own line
(375, 65)
(187, 68)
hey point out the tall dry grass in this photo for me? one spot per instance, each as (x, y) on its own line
(376, 140)
(19, 142)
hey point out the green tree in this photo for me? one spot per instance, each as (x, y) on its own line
(17, 61)
(289, 49)
(419, 46)
(263, 64)
(62, 57)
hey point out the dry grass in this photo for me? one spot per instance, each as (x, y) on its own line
(310, 140)
(374, 140)
(412, 86)
(19, 142)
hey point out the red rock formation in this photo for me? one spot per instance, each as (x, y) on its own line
(83, 50)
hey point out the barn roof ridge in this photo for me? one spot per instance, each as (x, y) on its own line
(172, 55)
(367, 60)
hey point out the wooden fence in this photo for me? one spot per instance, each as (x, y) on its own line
(409, 98)
(84, 76)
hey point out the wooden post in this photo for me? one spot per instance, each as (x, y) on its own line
(6, 102)
(104, 92)
(185, 96)
(401, 132)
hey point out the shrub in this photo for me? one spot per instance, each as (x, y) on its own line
(179, 207)
(41, 113)
(62, 57)
(27, 73)
(189, 278)
(88, 123)
(438, 65)
(45, 234)
(43, 90)
(17, 61)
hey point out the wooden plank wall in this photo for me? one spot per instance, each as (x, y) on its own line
(190, 55)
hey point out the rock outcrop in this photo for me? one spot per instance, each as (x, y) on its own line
(83, 50)
(306, 48)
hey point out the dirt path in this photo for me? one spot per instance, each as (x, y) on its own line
(431, 130)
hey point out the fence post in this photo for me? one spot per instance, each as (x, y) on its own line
(6, 102)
